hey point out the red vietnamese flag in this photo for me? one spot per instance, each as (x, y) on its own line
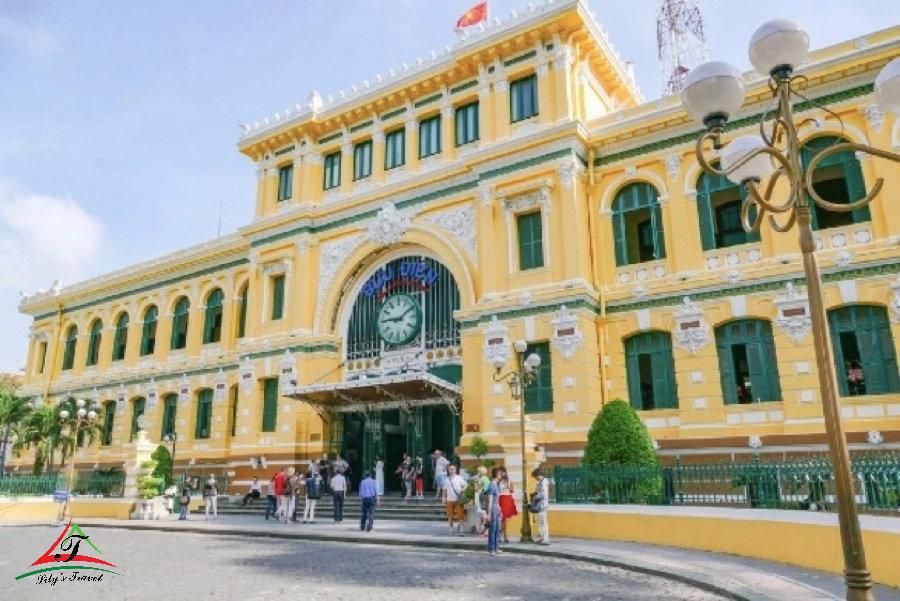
(474, 15)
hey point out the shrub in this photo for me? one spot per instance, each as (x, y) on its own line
(148, 485)
(618, 437)
(163, 460)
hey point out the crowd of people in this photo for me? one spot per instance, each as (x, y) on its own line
(491, 496)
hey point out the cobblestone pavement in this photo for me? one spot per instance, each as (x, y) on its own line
(170, 565)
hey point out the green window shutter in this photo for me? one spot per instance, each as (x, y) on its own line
(633, 372)
(242, 315)
(204, 414)
(656, 223)
(726, 371)
(856, 186)
(69, 353)
(120, 341)
(539, 395)
(362, 160)
(705, 213)
(170, 407)
(180, 324)
(523, 97)
(531, 241)
(835, 328)
(620, 240)
(332, 171)
(148, 332)
(285, 182)
(395, 149)
(270, 404)
(277, 297)
(430, 137)
(94, 343)
(467, 124)
(885, 342)
(212, 322)
(137, 410)
(109, 416)
(665, 387)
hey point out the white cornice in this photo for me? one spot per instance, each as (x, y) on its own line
(157, 269)
(670, 107)
(469, 42)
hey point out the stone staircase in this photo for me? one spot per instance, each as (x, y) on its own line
(392, 507)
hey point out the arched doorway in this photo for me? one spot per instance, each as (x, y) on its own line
(402, 366)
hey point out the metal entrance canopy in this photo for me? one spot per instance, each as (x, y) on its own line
(400, 391)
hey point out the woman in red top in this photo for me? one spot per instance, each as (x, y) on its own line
(507, 503)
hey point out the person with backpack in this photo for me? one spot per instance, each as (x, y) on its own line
(493, 512)
(313, 494)
(481, 506)
(271, 499)
(185, 499)
(211, 497)
(286, 502)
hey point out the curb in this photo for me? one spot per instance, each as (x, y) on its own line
(459, 546)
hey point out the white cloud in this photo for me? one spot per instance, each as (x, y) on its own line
(43, 238)
(34, 39)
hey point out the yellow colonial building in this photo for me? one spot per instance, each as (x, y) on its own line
(514, 186)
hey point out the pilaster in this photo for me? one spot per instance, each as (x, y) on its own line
(485, 106)
(546, 112)
(562, 75)
(412, 140)
(488, 249)
(501, 102)
(448, 140)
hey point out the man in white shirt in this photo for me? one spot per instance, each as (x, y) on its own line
(339, 493)
(455, 495)
(254, 493)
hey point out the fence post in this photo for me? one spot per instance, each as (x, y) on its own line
(679, 471)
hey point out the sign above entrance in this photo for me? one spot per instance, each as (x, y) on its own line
(413, 272)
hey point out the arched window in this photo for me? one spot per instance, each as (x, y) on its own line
(864, 352)
(650, 370)
(242, 312)
(93, 353)
(180, 324)
(212, 323)
(137, 410)
(120, 342)
(637, 225)
(69, 354)
(837, 179)
(170, 407)
(204, 413)
(109, 416)
(747, 362)
(148, 332)
(719, 211)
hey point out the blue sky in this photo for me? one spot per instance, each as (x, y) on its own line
(118, 120)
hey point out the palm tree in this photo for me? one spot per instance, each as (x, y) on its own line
(13, 410)
(38, 430)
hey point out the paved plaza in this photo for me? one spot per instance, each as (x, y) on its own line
(163, 565)
(245, 557)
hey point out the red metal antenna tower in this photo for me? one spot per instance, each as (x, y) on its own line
(680, 41)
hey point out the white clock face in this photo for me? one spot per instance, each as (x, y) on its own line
(399, 319)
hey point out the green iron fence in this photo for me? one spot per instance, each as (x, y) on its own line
(31, 486)
(97, 484)
(802, 483)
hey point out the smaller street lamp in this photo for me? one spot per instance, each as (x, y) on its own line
(171, 437)
(524, 373)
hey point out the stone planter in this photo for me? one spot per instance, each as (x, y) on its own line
(470, 526)
(150, 509)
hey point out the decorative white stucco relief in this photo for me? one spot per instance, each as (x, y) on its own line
(459, 221)
(496, 342)
(567, 338)
(793, 313)
(691, 331)
(389, 225)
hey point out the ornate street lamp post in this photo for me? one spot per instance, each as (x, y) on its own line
(82, 416)
(520, 378)
(715, 91)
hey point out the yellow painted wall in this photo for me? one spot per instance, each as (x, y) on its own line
(29, 510)
(770, 535)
